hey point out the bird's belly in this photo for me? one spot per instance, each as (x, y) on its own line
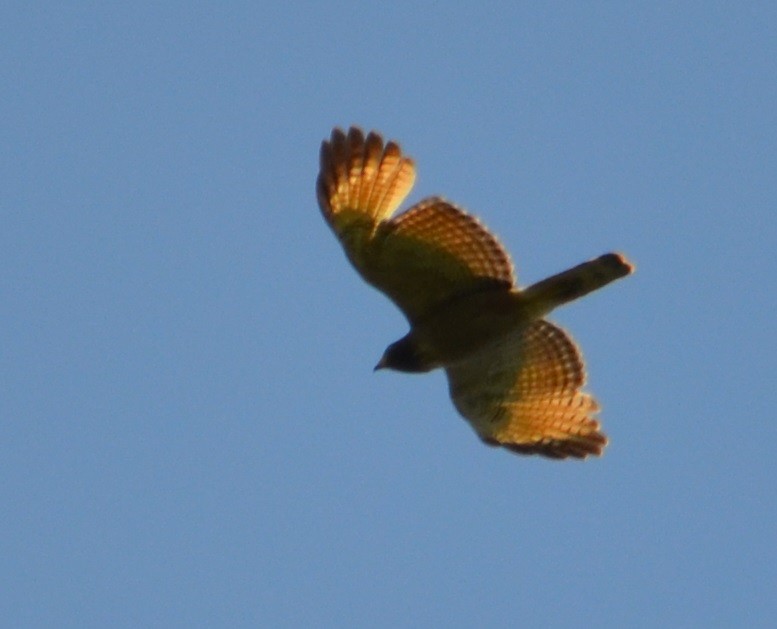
(466, 326)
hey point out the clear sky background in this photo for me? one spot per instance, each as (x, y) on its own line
(191, 432)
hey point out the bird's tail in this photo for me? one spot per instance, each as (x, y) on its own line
(576, 282)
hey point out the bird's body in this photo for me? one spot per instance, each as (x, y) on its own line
(516, 377)
(463, 327)
(467, 323)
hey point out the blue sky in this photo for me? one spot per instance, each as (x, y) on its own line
(192, 434)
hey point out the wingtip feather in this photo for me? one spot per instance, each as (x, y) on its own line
(360, 174)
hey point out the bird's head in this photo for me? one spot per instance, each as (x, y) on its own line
(404, 355)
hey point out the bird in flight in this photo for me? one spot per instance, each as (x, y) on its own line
(516, 377)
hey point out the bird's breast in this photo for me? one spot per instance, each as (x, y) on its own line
(468, 324)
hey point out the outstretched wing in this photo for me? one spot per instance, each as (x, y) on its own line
(421, 258)
(525, 394)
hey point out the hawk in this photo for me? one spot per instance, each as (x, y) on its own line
(516, 377)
